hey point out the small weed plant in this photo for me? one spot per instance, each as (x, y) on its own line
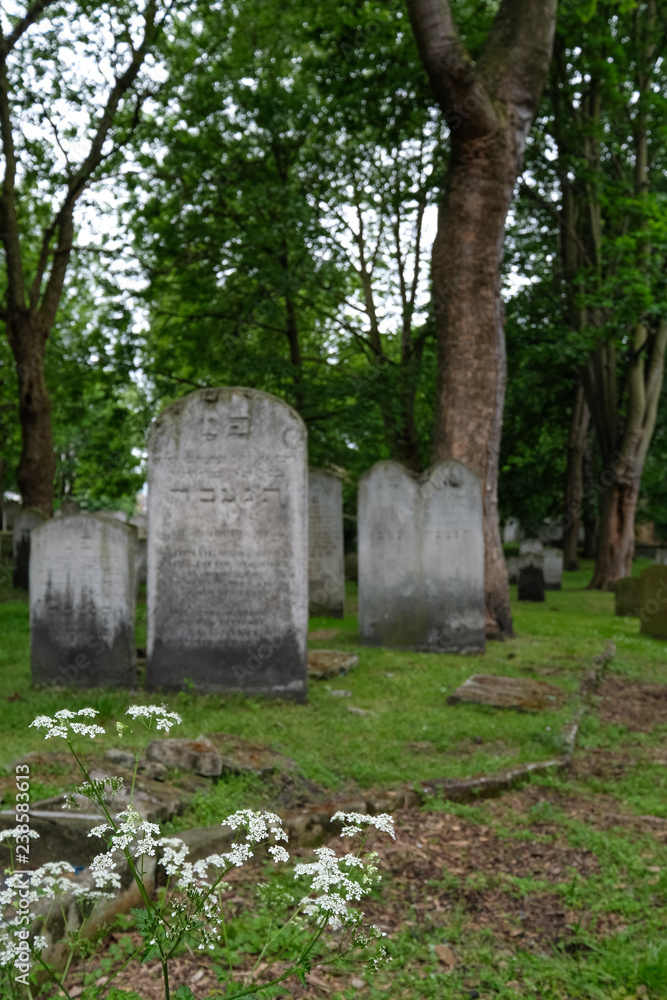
(191, 912)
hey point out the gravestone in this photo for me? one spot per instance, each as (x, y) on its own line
(27, 519)
(512, 566)
(552, 567)
(68, 508)
(653, 602)
(326, 569)
(627, 597)
(421, 558)
(82, 602)
(508, 692)
(531, 583)
(227, 588)
(10, 508)
(660, 557)
(531, 547)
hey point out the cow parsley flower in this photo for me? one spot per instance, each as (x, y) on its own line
(157, 714)
(61, 726)
(259, 825)
(382, 822)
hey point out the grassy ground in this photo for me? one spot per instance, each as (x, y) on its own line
(555, 891)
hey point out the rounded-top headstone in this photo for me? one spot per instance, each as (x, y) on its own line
(227, 588)
(82, 602)
(421, 558)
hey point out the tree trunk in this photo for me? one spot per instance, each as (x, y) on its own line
(616, 540)
(623, 454)
(467, 257)
(574, 478)
(489, 106)
(37, 464)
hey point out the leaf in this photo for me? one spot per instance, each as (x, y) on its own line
(183, 993)
(446, 955)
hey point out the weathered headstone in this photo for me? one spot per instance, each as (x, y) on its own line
(627, 597)
(82, 602)
(27, 519)
(531, 583)
(421, 558)
(326, 569)
(553, 569)
(67, 509)
(511, 531)
(227, 585)
(653, 602)
(660, 557)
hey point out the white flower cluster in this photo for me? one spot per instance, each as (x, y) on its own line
(157, 714)
(16, 832)
(382, 822)
(329, 877)
(61, 724)
(259, 825)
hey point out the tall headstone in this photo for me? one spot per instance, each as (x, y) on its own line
(82, 602)
(653, 602)
(26, 520)
(421, 558)
(227, 588)
(552, 567)
(326, 568)
(627, 597)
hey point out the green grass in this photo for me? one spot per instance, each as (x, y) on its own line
(411, 733)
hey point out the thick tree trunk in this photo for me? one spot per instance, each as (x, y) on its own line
(616, 541)
(467, 257)
(574, 478)
(37, 464)
(489, 105)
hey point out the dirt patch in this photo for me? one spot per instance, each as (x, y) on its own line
(637, 705)
(438, 863)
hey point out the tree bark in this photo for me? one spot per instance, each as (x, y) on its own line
(574, 478)
(37, 463)
(489, 107)
(624, 456)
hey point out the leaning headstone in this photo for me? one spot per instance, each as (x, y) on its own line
(26, 520)
(82, 603)
(531, 583)
(653, 602)
(227, 588)
(421, 558)
(326, 569)
(661, 557)
(553, 569)
(627, 597)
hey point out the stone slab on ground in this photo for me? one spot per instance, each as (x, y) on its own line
(241, 756)
(323, 663)
(508, 692)
(627, 597)
(322, 634)
(199, 756)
